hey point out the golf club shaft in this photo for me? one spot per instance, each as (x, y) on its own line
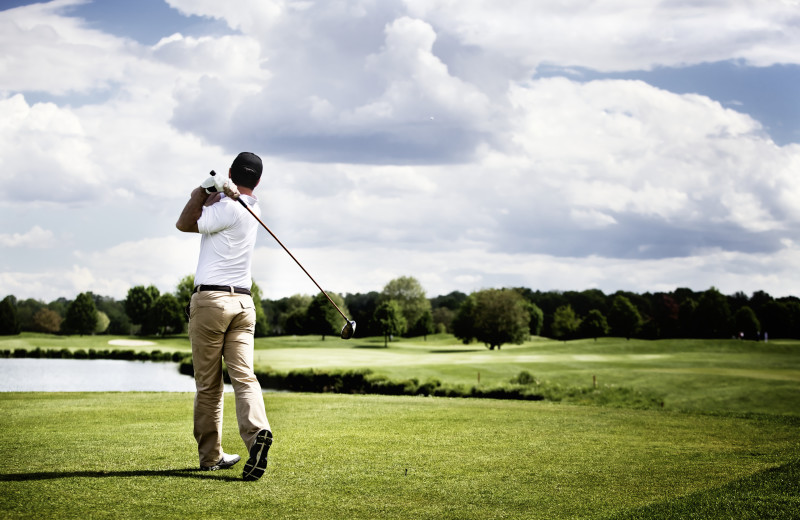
(243, 203)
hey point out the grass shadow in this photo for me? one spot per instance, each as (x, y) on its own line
(771, 493)
(54, 475)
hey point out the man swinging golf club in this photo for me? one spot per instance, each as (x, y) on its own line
(222, 316)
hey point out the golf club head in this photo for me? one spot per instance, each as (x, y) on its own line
(348, 330)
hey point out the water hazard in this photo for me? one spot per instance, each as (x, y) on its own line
(92, 375)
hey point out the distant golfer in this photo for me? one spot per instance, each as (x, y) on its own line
(222, 316)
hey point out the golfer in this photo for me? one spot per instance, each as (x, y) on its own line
(222, 316)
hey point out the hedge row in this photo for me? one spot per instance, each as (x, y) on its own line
(364, 381)
(65, 353)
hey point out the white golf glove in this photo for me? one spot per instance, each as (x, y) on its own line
(215, 183)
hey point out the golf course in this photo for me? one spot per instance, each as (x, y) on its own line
(713, 433)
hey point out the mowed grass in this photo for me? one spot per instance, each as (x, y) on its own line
(726, 444)
(728, 376)
(721, 376)
(132, 455)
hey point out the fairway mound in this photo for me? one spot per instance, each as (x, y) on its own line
(130, 343)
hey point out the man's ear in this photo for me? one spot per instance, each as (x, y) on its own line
(230, 173)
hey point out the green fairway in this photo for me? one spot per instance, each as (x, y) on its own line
(726, 376)
(131, 455)
(726, 443)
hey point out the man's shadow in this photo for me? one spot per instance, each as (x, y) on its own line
(185, 473)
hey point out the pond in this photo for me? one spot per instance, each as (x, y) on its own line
(92, 375)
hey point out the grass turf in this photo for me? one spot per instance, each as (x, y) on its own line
(131, 455)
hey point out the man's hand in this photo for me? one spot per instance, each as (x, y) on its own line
(231, 190)
(215, 183)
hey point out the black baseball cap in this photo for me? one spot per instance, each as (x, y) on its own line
(246, 169)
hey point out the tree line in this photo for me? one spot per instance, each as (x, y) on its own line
(491, 316)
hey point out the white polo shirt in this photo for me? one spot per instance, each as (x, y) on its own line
(226, 248)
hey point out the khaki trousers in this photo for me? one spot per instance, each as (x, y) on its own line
(221, 326)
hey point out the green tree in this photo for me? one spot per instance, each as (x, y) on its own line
(537, 319)
(389, 317)
(262, 325)
(594, 325)
(746, 322)
(103, 321)
(443, 319)
(81, 315)
(501, 316)
(26, 310)
(713, 315)
(686, 318)
(410, 296)
(184, 291)
(464, 322)
(624, 319)
(362, 311)
(565, 323)
(424, 325)
(138, 306)
(119, 323)
(775, 319)
(47, 321)
(322, 318)
(166, 315)
(9, 322)
(292, 319)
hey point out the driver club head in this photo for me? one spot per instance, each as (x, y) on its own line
(348, 330)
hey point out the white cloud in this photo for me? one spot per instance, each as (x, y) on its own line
(36, 238)
(405, 138)
(620, 35)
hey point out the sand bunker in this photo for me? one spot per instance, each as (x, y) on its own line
(130, 342)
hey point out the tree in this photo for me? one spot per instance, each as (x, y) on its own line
(119, 323)
(81, 315)
(624, 319)
(262, 326)
(409, 295)
(775, 319)
(443, 319)
(184, 291)
(166, 315)
(565, 323)
(464, 322)
(537, 319)
(746, 322)
(713, 315)
(138, 305)
(103, 321)
(424, 325)
(26, 310)
(362, 310)
(47, 321)
(322, 318)
(391, 320)
(9, 323)
(501, 316)
(594, 325)
(450, 301)
(686, 318)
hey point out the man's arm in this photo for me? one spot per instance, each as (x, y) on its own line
(187, 222)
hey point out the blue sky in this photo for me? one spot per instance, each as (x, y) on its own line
(639, 146)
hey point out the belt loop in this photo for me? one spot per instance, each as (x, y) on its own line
(232, 291)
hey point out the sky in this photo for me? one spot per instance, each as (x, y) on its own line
(471, 144)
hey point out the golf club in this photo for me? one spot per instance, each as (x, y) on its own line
(350, 327)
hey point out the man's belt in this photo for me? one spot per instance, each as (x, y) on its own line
(223, 288)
